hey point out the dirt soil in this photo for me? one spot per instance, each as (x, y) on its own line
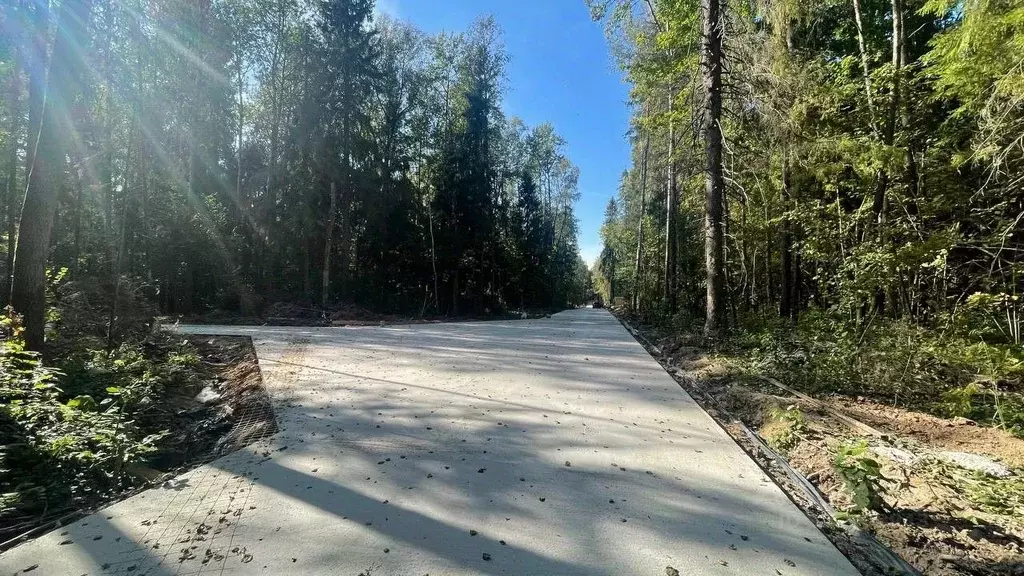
(223, 410)
(942, 518)
(242, 410)
(956, 434)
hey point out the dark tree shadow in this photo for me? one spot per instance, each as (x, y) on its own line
(564, 450)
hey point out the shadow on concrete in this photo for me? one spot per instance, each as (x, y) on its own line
(566, 441)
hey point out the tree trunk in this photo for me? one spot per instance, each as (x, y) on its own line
(144, 240)
(911, 175)
(306, 288)
(12, 177)
(670, 216)
(325, 288)
(117, 268)
(714, 181)
(28, 295)
(106, 169)
(865, 72)
(889, 131)
(611, 277)
(640, 224)
(455, 292)
(192, 159)
(787, 304)
(76, 251)
(746, 285)
(270, 199)
(106, 174)
(433, 257)
(241, 124)
(35, 66)
(878, 204)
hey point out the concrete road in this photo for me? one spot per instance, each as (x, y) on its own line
(538, 447)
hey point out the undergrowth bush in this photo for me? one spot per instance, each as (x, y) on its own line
(785, 428)
(71, 431)
(79, 313)
(944, 372)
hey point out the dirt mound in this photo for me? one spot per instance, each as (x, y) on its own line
(348, 312)
(951, 434)
(292, 310)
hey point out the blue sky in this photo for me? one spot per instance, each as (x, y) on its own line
(561, 72)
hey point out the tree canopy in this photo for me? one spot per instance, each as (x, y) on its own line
(874, 143)
(232, 153)
(871, 162)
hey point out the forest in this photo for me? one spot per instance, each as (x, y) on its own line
(823, 198)
(231, 154)
(821, 233)
(179, 158)
(832, 189)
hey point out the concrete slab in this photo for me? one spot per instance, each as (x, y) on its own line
(537, 447)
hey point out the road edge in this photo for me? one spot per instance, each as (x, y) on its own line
(866, 553)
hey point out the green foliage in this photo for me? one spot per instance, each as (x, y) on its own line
(70, 436)
(985, 403)
(789, 426)
(814, 355)
(976, 62)
(216, 160)
(874, 205)
(960, 401)
(861, 475)
(997, 317)
(1002, 496)
(889, 361)
(995, 495)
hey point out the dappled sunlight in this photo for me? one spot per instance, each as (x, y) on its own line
(478, 426)
(827, 204)
(475, 448)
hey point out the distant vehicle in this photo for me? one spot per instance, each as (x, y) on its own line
(598, 303)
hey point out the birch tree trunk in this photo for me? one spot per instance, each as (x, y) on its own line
(12, 177)
(889, 130)
(671, 207)
(865, 71)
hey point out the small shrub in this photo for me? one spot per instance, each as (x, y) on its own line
(984, 403)
(1010, 414)
(861, 475)
(787, 425)
(959, 402)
